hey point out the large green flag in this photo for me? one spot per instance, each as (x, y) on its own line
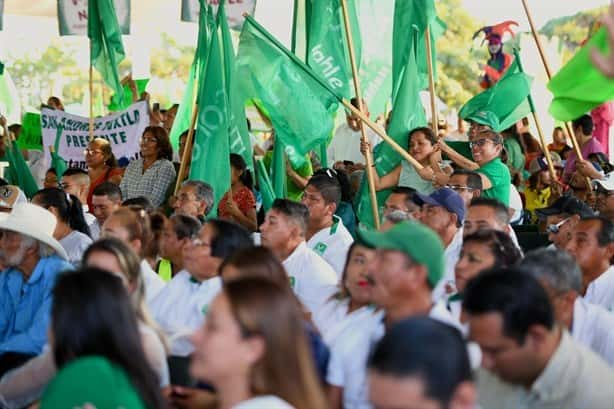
(238, 133)
(410, 21)
(31, 135)
(206, 24)
(211, 152)
(508, 99)
(264, 183)
(327, 50)
(18, 173)
(300, 106)
(106, 47)
(579, 87)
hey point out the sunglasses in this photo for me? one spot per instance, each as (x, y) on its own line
(555, 228)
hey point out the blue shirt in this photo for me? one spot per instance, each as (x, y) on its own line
(25, 306)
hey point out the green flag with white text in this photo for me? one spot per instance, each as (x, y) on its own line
(327, 50)
(211, 152)
(106, 47)
(239, 135)
(271, 74)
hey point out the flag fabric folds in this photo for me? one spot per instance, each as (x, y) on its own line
(106, 47)
(264, 183)
(410, 21)
(287, 90)
(211, 150)
(579, 87)
(508, 99)
(57, 162)
(18, 173)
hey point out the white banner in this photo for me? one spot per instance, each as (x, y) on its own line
(72, 16)
(123, 130)
(234, 10)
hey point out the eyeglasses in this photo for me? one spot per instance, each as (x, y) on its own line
(460, 188)
(555, 228)
(148, 140)
(63, 185)
(197, 242)
(184, 197)
(480, 142)
(89, 151)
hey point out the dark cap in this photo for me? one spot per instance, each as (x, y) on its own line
(566, 205)
(446, 198)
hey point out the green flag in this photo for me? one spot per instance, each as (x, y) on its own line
(287, 90)
(18, 172)
(278, 170)
(106, 48)
(10, 105)
(239, 135)
(579, 87)
(31, 135)
(118, 104)
(184, 113)
(211, 152)
(410, 21)
(264, 183)
(508, 99)
(58, 162)
(327, 50)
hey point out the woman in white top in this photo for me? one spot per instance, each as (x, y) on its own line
(422, 147)
(253, 349)
(71, 229)
(131, 225)
(26, 384)
(353, 300)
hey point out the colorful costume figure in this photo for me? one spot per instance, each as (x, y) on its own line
(499, 61)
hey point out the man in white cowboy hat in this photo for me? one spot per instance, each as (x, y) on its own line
(33, 259)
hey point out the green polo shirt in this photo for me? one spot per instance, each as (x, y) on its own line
(499, 176)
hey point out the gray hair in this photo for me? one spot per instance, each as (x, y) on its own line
(397, 216)
(203, 191)
(556, 267)
(44, 250)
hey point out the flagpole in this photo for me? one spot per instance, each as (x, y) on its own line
(91, 80)
(363, 131)
(540, 132)
(187, 150)
(429, 61)
(574, 141)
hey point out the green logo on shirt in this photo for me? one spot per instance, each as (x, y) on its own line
(320, 248)
(205, 309)
(292, 281)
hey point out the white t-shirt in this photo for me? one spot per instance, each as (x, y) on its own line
(264, 402)
(593, 326)
(345, 144)
(451, 257)
(333, 244)
(311, 278)
(153, 282)
(601, 290)
(409, 177)
(350, 352)
(75, 244)
(180, 308)
(333, 318)
(91, 222)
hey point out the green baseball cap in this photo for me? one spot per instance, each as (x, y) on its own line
(487, 118)
(93, 381)
(416, 240)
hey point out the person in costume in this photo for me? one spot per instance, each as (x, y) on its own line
(498, 61)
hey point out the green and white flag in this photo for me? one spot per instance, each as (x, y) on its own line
(73, 14)
(10, 105)
(234, 11)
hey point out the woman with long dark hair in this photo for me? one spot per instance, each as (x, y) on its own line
(84, 323)
(71, 230)
(253, 349)
(239, 204)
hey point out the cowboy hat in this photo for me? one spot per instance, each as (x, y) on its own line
(36, 222)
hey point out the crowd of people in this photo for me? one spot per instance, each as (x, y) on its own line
(490, 283)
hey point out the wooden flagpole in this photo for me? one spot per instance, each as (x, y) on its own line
(540, 49)
(429, 61)
(91, 80)
(363, 133)
(187, 150)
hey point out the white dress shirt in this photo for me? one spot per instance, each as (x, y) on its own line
(593, 327)
(601, 290)
(345, 144)
(451, 257)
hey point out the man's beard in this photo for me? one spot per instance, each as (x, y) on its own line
(15, 259)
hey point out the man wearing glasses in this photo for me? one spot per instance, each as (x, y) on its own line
(604, 191)
(561, 218)
(467, 183)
